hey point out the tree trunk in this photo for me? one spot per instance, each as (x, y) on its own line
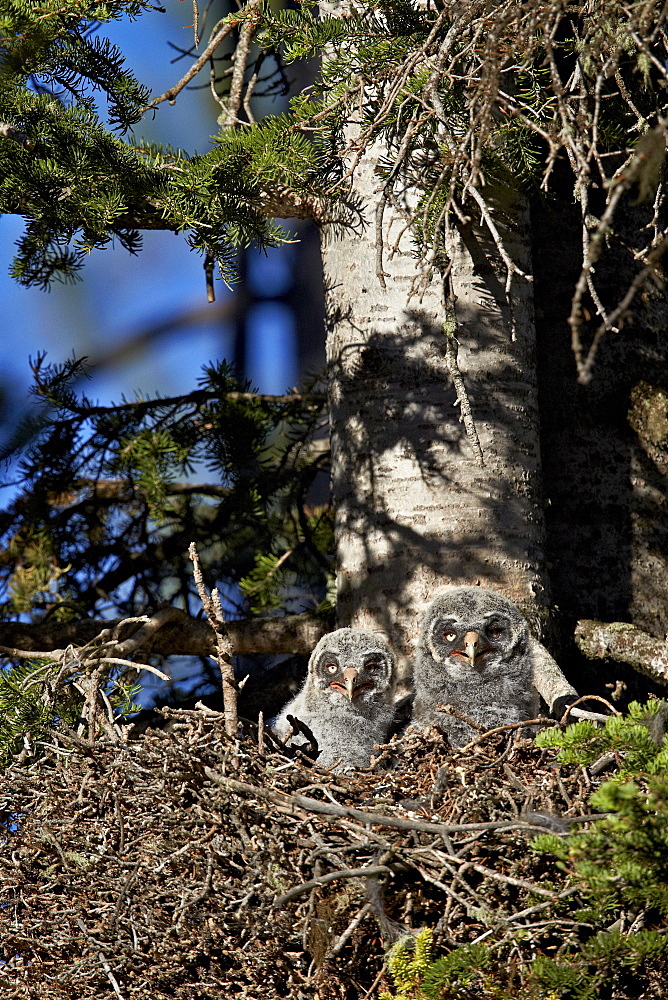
(414, 509)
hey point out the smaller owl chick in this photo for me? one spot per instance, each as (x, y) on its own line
(347, 698)
(476, 654)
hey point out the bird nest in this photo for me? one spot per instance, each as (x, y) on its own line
(184, 864)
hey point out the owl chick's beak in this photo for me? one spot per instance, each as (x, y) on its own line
(471, 646)
(350, 678)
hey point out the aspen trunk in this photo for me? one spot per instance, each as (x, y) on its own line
(414, 510)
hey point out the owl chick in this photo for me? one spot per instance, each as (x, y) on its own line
(476, 654)
(346, 700)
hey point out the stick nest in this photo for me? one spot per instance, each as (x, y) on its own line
(184, 864)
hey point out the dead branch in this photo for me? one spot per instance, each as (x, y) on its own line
(219, 33)
(624, 643)
(299, 890)
(214, 612)
(306, 804)
(181, 635)
(451, 350)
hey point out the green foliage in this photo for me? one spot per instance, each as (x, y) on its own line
(36, 697)
(108, 494)
(77, 184)
(461, 94)
(620, 861)
(276, 573)
(638, 738)
(26, 712)
(35, 572)
(457, 972)
(23, 713)
(417, 976)
(152, 457)
(407, 962)
(457, 94)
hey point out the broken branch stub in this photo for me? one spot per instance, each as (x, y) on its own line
(214, 612)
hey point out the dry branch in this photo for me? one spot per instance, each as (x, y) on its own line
(624, 643)
(308, 805)
(451, 351)
(180, 635)
(214, 612)
(366, 872)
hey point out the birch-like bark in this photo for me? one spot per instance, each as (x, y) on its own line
(414, 509)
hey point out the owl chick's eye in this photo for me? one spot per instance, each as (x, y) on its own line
(331, 667)
(494, 631)
(374, 663)
(449, 636)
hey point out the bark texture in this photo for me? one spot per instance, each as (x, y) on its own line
(414, 509)
(624, 643)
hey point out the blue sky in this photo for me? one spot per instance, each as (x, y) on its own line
(121, 296)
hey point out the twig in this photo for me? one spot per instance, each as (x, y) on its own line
(214, 613)
(150, 624)
(624, 178)
(305, 804)
(498, 877)
(485, 734)
(374, 983)
(511, 266)
(196, 23)
(103, 961)
(451, 346)
(240, 58)
(299, 890)
(456, 714)
(620, 310)
(110, 976)
(583, 714)
(380, 210)
(297, 726)
(208, 275)
(224, 28)
(529, 911)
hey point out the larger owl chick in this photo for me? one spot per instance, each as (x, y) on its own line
(476, 654)
(347, 698)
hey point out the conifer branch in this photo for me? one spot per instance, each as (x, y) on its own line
(196, 398)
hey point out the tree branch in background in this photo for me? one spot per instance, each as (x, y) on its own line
(218, 35)
(624, 643)
(8, 131)
(180, 635)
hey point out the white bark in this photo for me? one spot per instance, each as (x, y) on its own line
(414, 510)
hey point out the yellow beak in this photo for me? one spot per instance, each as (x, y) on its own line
(350, 677)
(471, 646)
